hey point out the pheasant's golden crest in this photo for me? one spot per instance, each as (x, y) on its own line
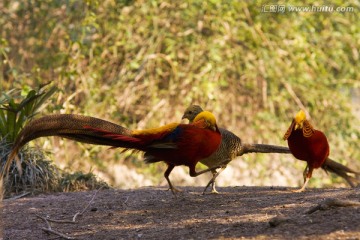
(207, 119)
(300, 122)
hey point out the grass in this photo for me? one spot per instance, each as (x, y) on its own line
(141, 63)
(80, 181)
(39, 174)
(42, 175)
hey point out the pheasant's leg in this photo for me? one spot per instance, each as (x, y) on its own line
(166, 175)
(213, 188)
(212, 181)
(193, 172)
(307, 175)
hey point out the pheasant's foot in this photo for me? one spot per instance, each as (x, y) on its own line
(302, 189)
(213, 188)
(214, 191)
(174, 190)
(298, 190)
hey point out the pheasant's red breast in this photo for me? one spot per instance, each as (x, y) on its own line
(309, 145)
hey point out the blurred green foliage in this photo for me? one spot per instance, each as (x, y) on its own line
(17, 108)
(141, 63)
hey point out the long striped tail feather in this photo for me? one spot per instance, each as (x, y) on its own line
(350, 175)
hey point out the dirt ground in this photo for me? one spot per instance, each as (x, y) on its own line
(153, 213)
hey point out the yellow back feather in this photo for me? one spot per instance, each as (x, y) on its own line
(207, 116)
(151, 131)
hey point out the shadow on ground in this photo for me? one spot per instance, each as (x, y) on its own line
(238, 212)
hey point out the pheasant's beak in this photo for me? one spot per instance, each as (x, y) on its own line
(185, 121)
(298, 126)
(214, 128)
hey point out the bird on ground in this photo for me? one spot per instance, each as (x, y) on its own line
(175, 144)
(311, 145)
(231, 147)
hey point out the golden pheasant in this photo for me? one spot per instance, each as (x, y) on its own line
(231, 147)
(176, 144)
(311, 145)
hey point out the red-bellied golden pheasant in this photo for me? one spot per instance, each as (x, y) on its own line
(231, 147)
(176, 144)
(311, 145)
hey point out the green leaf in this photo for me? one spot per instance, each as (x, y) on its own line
(11, 121)
(13, 116)
(3, 128)
(13, 106)
(44, 98)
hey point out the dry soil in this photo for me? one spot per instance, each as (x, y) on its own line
(154, 213)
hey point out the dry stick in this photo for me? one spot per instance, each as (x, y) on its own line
(332, 202)
(47, 220)
(295, 97)
(127, 199)
(18, 196)
(88, 205)
(324, 205)
(50, 230)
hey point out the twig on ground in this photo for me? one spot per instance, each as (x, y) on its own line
(18, 196)
(332, 202)
(127, 199)
(48, 220)
(279, 219)
(324, 205)
(50, 230)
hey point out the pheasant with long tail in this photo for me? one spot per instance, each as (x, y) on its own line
(231, 147)
(311, 145)
(176, 144)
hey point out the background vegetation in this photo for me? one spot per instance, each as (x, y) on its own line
(141, 63)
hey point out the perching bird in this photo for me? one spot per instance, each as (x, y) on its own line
(176, 144)
(231, 147)
(311, 145)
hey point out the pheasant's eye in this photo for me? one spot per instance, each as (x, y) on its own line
(190, 112)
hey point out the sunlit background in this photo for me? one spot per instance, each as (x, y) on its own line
(141, 63)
